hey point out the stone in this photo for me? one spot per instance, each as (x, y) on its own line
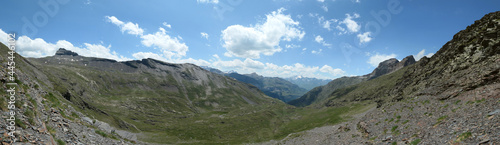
(88, 120)
(387, 138)
(494, 112)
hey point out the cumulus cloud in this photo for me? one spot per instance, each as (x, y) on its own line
(144, 55)
(261, 39)
(422, 54)
(351, 25)
(374, 60)
(170, 46)
(365, 37)
(128, 27)
(204, 35)
(332, 71)
(162, 57)
(38, 47)
(208, 1)
(272, 70)
(321, 1)
(246, 66)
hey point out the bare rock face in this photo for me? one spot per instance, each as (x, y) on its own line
(63, 51)
(390, 65)
(409, 60)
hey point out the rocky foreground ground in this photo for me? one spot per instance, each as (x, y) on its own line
(417, 120)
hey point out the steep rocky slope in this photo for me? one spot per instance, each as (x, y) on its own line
(40, 117)
(467, 62)
(451, 98)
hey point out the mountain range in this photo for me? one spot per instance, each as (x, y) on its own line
(306, 82)
(450, 98)
(272, 86)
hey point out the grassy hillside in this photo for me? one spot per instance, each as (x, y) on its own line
(170, 103)
(319, 94)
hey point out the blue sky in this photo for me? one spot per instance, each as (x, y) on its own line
(284, 38)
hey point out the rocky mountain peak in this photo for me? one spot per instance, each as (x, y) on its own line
(63, 51)
(391, 65)
(406, 61)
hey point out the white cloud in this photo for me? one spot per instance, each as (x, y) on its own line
(325, 8)
(292, 46)
(170, 46)
(87, 2)
(365, 37)
(330, 70)
(341, 29)
(208, 1)
(198, 62)
(251, 42)
(273, 70)
(422, 54)
(167, 25)
(216, 56)
(38, 47)
(4, 37)
(324, 23)
(128, 27)
(377, 58)
(321, 1)
(304, 49)
(204, 35)
(351, 25)
(320, 40)
(143, 55)
(253, 64)
(317, 52)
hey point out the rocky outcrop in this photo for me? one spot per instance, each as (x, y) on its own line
(409, 60)
(467, 62)
(390, 65)
(63, 51)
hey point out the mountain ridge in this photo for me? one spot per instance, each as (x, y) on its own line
(321, 93)
(272, 86)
